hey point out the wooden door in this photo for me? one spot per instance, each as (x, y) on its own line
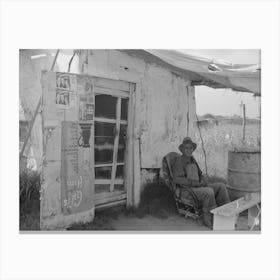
(86, 129)
(110, 141)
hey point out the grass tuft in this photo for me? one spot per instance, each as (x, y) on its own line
(29, 200)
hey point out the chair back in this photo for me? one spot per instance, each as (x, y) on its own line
(167, 174)
(167, 169)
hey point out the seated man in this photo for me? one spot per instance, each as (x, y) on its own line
(187, 174)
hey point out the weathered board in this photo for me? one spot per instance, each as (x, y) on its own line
(67, 193)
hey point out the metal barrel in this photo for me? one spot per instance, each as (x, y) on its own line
(244, 172)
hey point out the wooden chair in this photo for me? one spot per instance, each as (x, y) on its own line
(187, 206)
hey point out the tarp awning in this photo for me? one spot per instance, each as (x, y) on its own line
(203, 71)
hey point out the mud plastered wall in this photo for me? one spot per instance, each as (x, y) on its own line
(165, 104)
(60, 197)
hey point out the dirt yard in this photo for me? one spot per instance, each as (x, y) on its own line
(172, 223)
(156, 212)
(123, 220)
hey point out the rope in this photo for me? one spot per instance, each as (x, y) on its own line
(203, 148)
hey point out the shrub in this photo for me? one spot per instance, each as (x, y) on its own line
(29, 191)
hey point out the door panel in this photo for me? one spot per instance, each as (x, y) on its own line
(104, 142)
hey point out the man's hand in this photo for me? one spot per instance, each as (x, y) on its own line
(196, 184)
(204, 180)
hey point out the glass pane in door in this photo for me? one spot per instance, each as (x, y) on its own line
(98, 188)
(105, 106)
(106, 120)
(119, 183)
(124, 109)
(122, 143)
(103, 172)
(119, 172)
(104, 135)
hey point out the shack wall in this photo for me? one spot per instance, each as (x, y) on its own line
(165, 108)
(165, 103)
(164, 111)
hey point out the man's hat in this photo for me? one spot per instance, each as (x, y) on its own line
(187, 140)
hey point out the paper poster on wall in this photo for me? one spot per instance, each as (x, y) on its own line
(66, 81)
(62, 97)
(85, 89)
(76, 184)
(66, 90)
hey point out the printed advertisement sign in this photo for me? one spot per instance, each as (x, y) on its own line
(76, 184)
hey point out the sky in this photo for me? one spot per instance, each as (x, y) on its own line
(226, 102)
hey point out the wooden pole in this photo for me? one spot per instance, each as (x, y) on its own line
(244, 121)
(259, 130)
(30, 129)
(70, 62)
(54, 60)
(203, 148)
(260, 110)
(188, 113)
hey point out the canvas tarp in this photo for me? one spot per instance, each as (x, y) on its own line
(203, 71)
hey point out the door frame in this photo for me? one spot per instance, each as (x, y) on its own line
(103, 200)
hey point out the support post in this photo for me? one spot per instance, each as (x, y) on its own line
(30, 129)
(54, 60)
(70, 62)
(244, 120)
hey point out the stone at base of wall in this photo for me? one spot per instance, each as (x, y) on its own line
(62, 222)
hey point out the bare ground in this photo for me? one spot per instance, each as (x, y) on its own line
(173, 223)
(126, 221)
